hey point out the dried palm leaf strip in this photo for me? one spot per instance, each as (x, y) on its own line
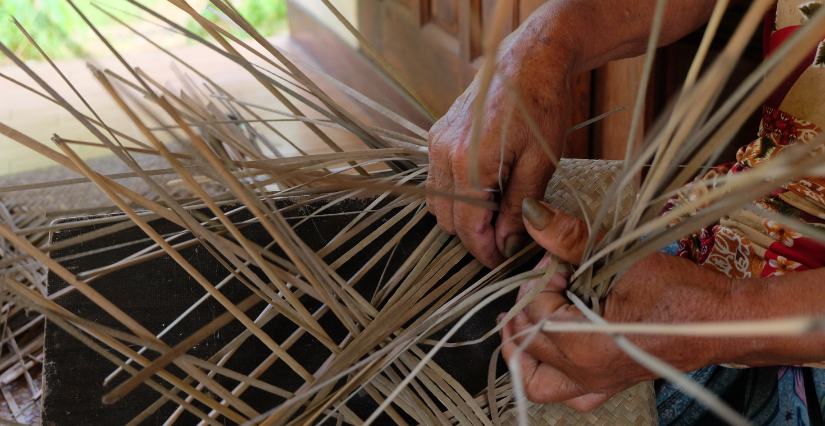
(361, 98)
(177, 320)
(92, 120)
(219, 244)
(428, 412)
(745, 186)
(396, 239)
(414, 265)
(366, 345)
(236, 312)
(371, 138)
(394, 135)
(494, 37)
(783, 58)
(254, 207)
(263, 318)
(503, 287)
(220, 131)
(47, 307)
(108, 355)
(694, 106)
(203, 76)
(271, 85)
(686, 104)
(305, 316)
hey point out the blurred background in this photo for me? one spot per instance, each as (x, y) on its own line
(66, 38)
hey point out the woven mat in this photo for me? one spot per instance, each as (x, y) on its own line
(635, 406)
(79, 198)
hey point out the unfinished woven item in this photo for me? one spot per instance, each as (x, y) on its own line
(592, 179)
(634, 406)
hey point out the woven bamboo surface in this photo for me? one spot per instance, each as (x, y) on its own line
(635, 406)
(591, 179)
(73, 199)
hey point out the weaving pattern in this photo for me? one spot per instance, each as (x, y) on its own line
(591, 179)
(635, 406)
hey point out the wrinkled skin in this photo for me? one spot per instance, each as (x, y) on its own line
(525, 165)
(536, 63)
(583, 370)
(560, 40)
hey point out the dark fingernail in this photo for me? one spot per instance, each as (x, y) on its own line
(513, 244)
(536, 214)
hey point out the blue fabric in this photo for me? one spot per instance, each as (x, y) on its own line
(767, 396)
(671, 248)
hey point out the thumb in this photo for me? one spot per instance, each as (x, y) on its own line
(561, 234)
(528, 179)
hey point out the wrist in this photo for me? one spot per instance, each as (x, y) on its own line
(768, 298)
(542, 47)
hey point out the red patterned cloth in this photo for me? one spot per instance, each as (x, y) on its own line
(745, 244)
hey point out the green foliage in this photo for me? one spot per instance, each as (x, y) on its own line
(62, 33)
(267, 16)
(50, 22)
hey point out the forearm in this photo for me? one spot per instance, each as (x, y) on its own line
(564, 38)
(595, 32)
(793, 295)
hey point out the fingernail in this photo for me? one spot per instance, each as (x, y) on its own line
(536, 214)
(513, 244)
(500, 317)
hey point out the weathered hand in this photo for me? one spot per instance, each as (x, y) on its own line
(525, 167)
(583, 370)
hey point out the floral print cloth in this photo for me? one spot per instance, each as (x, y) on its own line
(746, 244)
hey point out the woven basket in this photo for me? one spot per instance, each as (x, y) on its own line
(634, 406)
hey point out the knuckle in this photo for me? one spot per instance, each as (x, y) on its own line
(521, 321)
(535, 393)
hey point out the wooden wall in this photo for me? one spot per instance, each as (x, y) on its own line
(436, 46)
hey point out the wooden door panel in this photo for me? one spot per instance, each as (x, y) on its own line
(444, 13)
(488, 8)
(427, 56)
(436, 45)
(614, 85)
(527, 7)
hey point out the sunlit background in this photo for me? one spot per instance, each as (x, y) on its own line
(63, 34)
(66, 38)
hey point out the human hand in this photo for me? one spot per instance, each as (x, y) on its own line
(583, 370)
(540, 78)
